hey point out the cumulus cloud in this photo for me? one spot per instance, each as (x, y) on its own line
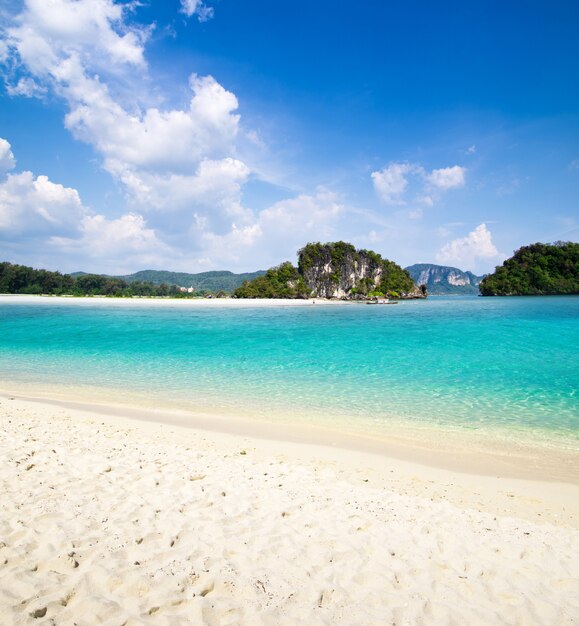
(93, 30)
(30, 204)
(211, 196)
(447, 177)
(178, 165)
(43, 215)
(280, 230)
(120, 243)
(164, 141)
(472, 252)
(7, 160)
(391, 182)
(166, 158)
(34, 206)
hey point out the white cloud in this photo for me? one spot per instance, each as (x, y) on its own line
(43, 216)
(178, 159)
(447, 177)
(212, 194)
(471, 252)
(197, 7)
(26, 87)
(7, 160)
(30, 204)
(120, 244)
(178, 164)
(391, 182)
(279, 230)
(162, 141)
(471, 149)
(93, 30)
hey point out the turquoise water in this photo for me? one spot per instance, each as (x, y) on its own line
(464, 363)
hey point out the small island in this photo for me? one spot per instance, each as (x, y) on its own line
(334, 271)
(539, 269)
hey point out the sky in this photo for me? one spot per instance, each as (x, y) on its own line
(196, 135)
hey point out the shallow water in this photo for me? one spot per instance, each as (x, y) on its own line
(496, 364)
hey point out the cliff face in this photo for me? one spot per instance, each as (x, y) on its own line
(338, 270)
(332, 273)
(440, 279)
(333, 270)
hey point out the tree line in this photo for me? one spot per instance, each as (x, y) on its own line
(21, 279)
(535, 270)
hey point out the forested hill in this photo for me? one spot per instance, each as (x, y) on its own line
(538, 269)
(21, 279)
(204, 281)
(442, 280)
(27, 280)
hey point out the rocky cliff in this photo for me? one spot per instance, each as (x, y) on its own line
(441, 280)
(333, 270)
(338, 270)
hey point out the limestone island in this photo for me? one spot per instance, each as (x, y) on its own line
(334, 271)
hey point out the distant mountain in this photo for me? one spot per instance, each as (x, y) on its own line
(442, 280)
(204, 281)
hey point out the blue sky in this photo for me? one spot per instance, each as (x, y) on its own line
(194, 135)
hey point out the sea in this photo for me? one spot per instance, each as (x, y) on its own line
(508, 366)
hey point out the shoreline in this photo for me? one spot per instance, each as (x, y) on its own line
(240, 302)
(485, 481)
(480, 452)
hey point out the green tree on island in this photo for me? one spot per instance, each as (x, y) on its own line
(535, 270)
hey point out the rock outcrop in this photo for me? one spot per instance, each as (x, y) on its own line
(441, 280)
(333, 270)
(338, 270)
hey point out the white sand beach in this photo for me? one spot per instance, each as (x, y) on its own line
(110, 520)
(163, 302)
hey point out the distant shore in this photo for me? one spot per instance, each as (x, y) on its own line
(179, 301)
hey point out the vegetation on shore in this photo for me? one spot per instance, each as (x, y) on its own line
(20, 279)
(209, 282)
(537, 269)
(331, 270)
(283, 281)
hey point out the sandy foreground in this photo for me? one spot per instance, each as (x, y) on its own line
(109, 520)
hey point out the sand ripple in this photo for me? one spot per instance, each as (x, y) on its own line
(115, 525)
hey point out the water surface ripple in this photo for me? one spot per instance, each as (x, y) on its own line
(465, 363)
